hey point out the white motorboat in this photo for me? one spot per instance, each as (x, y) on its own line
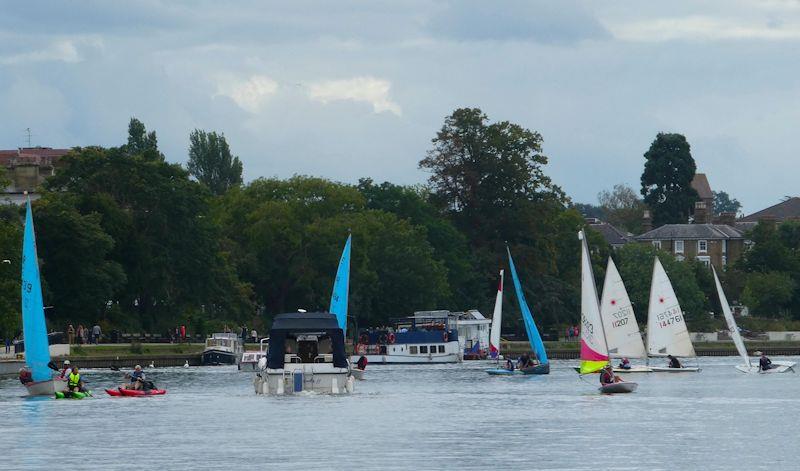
(306, 353)
(249, 361)
(223, 349)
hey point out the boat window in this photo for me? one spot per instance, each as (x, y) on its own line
(423, 349)
(412, 350)
(441, 348)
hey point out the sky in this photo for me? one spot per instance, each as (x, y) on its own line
(352, 89)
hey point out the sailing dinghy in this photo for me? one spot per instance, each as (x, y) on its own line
(594, 349)
(667, 333)
(747, 366)
(340, 297)
(619, 322)
(537, 346)
(37, 349)
(494, 334)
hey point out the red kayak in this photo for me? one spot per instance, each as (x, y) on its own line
(134, 392)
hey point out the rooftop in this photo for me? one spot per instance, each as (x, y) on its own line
(787, 209)
(610, 233)
(701, 186)
(692, 231)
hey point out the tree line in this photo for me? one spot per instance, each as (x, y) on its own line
(134, 241)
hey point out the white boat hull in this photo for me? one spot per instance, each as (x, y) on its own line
(304, 378)
(634, 369)
(666, 369)
(358, 374)
(46, 388)
(409, 359)
(618, 388)
(777, 367)
(248, 367)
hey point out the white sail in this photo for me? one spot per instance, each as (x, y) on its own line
(594, 350)
(666, 328)
(497, 320)
(619, 322)
(732, 327)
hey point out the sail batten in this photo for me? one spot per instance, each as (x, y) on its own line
(667, 333)
(594, 350)
(341, 288)
(497, 320)
(530, 327)
(732, 327)
(619, 321)
(37, 351)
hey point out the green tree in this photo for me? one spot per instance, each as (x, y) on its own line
(589, 210)
(666, 181)
(623, 208)
(11, 242)
(769, 294)
(141, 142)
(211, 161)
(723, 203)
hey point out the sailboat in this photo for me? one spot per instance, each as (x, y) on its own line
(537, 346)
(594, 349)
(37, 350)
(747, 366)
(619, 321)
(667, 333)
(341, 294)
(494, 333)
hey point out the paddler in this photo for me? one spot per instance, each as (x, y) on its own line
(65, 370)
(137, 378)
(74, 383)
(607, 376)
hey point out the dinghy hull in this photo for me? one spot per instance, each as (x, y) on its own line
(777, 367)
(618, 388)
(634, 369)
(503, 372)
(666, 369)
(537, 370)
(46, 388)
(357, 373)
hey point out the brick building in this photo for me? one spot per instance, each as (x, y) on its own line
(27, 168)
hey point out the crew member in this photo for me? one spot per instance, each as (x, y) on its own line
(137, 378)
(607, 376)
(25, 375)
(625, 364)
(764, 363)
(74, 383)
(65, 370)
(509, 364)
(362, 363)
(673, 362)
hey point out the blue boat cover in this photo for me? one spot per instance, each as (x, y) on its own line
(341, 288)
(530, 327)
(37, 352)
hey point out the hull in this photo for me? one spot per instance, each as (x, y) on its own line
(283, 382)
(46, 388)
(358, 374)
(633, 369)
(537, 370)
(219, 357)
(777, 367)
(503, 372)
(71, 395)
(249, 367)
(618, 388)
(665, 369)
(409, 359)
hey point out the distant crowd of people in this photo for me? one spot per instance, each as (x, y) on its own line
(573, 332)
(84, 335)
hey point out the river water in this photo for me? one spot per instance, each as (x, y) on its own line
(414, 417)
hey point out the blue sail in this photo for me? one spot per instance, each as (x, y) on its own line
(37, 353)
(530, 327)
(341, 288)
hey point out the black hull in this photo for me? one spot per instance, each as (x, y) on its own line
(214, 357)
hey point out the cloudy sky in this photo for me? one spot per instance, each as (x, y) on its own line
(358, 88)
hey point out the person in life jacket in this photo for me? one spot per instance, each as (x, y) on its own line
(607, 376)
(625, 364)
(673, 362)
(362, 363)
(137, 378)
(74, 382)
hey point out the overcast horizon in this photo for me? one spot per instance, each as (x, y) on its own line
(358, 89)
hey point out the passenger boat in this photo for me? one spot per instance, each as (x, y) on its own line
(223, 349)
(425, 337)
(37, 349)
(306, 353)
(249, 361)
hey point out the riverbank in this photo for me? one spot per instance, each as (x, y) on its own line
(571, 350)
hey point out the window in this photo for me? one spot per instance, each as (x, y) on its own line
(441, 348)
(724, 246)
(724, 260)
(705, 260)
(423, 349)
(657, 244)
(678, 246)
(702, 246)
(412, 350)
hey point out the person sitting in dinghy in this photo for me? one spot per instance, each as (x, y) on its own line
(509, 364)
(607, 376)
(625, 364)
(764, 363)
(362, 363)
(25, 375)
(673, 362)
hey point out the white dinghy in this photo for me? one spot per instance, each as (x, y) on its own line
(666, 327)
(619, 322)
(747, 366)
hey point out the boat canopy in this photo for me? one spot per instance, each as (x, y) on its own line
(286, 326)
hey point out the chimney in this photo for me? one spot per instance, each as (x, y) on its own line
(701, 213)
(727, 218)
(647, 222)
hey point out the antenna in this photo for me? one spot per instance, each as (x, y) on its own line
(28, 132)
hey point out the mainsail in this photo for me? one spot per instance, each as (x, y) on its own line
(732, 327)
(37, 352)
(497, 320)
(594, 351)
(530, 327)
(619, 322)
(666, 328)
(341, 288)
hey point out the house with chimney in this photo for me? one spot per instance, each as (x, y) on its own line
(711, 240)
(786, 210)
(27, 168)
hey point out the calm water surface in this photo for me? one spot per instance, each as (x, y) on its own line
(414, 417)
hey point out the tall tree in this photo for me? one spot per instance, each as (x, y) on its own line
(10, 256)
(141, 142)
(622, 207)
(211, 161)
(667, 179)
(723, 203)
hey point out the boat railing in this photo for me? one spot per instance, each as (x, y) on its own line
(292, 358)
(324, 358)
